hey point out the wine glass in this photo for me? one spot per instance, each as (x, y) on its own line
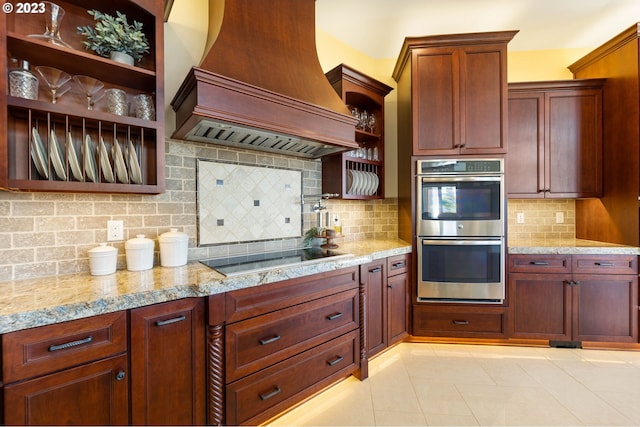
(53, 15)
(364, 118)
(90, 87)
(371, 122)
(55, 79)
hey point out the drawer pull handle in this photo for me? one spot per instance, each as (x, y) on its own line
(398, 264)
(460, 322)
(120, 376)
(170, 321)
(334, 316)
(375, 270)
(76, 343)
(539, 263)
(604, 264)
(265, 341)
(269, 395)
(335, 361)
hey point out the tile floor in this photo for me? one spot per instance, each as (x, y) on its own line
(453, 384)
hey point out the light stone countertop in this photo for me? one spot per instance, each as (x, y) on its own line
(568, 246)
(37, 302)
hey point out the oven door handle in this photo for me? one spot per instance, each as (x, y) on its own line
(446, 179)
(426, 242)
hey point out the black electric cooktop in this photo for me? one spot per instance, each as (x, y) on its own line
(267, 260)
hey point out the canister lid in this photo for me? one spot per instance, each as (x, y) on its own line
(102, 250)
(139, 242)
(173, 236)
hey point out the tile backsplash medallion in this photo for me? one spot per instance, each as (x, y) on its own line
(540, 219)
(45, 234)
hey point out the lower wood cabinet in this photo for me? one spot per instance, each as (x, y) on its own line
(287, 340)
(167, 353)
(574, 297)
(460, 321)
(71, 373)
(387, 302)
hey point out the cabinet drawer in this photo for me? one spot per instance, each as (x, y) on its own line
(257, 397)
(261, 341)
(460, 323)
(542, 263)
(249, 302)
(37, 351)
(605, 264)
(398, 264)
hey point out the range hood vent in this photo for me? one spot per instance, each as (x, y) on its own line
(260, 86)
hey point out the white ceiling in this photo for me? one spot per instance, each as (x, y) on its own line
(378, 27)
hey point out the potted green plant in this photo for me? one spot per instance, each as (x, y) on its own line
(113, 36)
(313, 237)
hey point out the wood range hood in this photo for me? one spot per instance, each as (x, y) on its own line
(260, 85)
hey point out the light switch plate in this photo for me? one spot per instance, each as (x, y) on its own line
(559, 217)
(520, 217)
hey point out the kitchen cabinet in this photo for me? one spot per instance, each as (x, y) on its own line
(454, 93)
(555, 139)
(457, 321)
(63, 127)
(358, 174)
(167, 354)
(287, 340)
(574, 297)
(615, 216)
(72, 373)
(387, 302)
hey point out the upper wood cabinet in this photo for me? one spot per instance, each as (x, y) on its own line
(69, 122)
(452, 93)
(555, 139)
(358, 174)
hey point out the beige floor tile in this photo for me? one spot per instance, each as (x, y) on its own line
(392, 418)
(451, 420)
(440, 398)
(391, 389)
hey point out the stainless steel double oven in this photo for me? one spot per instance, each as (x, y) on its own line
(460, 226)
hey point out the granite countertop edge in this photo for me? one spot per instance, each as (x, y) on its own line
(568, 247)
(43, 301)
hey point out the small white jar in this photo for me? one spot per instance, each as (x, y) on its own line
(103, 260)
(174, 247)
(139, 252)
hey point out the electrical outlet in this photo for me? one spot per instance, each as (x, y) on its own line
(115, 231)
(559, 217)
(520, 217)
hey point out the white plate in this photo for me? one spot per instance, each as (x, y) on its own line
(105, 164)
(38, 153)
(376, 179)
(55, 154)
(134, 167)
(357, 178)
(369, 189)
(349, 181)
(118, 160)
(89, 153)
(73, 159)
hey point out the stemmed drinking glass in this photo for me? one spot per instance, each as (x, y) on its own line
(55, 79)
(90, 87)
(371, 122)
(53, 15)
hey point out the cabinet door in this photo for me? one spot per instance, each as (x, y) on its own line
(605, 308)
(483, 99)
(91, 394)
(397, 307)
(525, 160)
(374, 277)
(574, 143)
(436, 100)
(167, 363)
(541, 306)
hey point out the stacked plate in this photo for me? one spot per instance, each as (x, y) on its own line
(362, 183)
(125, 162)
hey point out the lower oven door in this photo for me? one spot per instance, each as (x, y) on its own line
(456, 270)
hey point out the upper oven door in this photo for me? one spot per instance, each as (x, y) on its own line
(465, 206)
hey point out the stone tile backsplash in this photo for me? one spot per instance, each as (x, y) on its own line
(540, 219)
(45, 234)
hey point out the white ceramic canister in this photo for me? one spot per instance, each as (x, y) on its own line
(103, 260)
(174, 247)
(139, 252)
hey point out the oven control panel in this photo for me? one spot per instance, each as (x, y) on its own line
(459, 166)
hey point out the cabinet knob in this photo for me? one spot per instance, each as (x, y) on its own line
(120, 376)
